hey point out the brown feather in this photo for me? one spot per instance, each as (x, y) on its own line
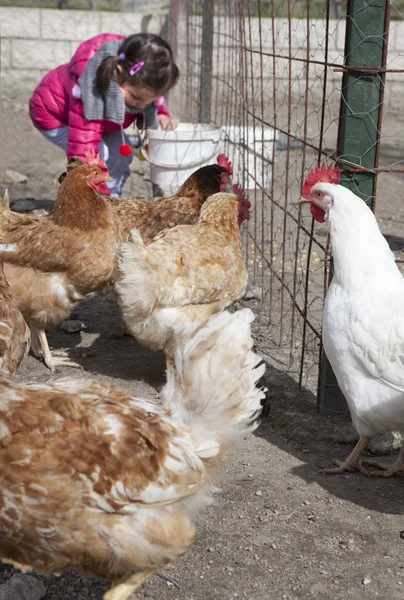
(14, 333)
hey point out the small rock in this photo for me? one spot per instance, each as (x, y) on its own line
(72, 326)
(253, 293)
(211, 549)
(22, 587)
(14, 177)
(366, 580)
(23, 206)
(258, 493)
(282, 144)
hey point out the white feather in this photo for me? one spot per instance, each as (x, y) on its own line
(8, 247)
(214, 389)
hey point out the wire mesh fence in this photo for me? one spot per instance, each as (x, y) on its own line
(284, 82)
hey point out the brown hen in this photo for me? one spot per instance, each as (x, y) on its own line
(152, 216)
(62, 257)
(95, 480)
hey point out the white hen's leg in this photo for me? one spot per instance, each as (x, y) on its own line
(170, 367)
(123, 591)
(352, 463)
(397, 468)
(40, 349)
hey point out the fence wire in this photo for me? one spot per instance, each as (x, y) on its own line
(276, 71)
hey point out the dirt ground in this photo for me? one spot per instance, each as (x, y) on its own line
(278, 529)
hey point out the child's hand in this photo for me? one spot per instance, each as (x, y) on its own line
(167, 123)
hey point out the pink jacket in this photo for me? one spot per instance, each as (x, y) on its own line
(53, 105)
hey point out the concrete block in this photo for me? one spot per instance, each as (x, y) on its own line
(394, 90)
(20, 22)
(396, 36)
(5, 53)
(337, 31)
(69, 25)
(74, 46)
(129, 23)
(19, 83)
(41, 53)
(395, 60)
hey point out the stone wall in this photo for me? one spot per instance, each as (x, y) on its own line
(33, 41)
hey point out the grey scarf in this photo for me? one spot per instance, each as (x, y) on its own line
(109, 105)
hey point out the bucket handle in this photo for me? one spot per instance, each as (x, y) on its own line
(194, 163)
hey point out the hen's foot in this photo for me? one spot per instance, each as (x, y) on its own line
(385, 470)
(397, 468)
(59, 358)
(124, 330)
(352, 463)
(123, 591)
(40, 349)
(345, 466)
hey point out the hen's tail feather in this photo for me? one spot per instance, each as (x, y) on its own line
(5, 204)
(214, 388)
(133, 285)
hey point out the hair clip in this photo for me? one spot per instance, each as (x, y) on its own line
(136, 68)
(122, 56)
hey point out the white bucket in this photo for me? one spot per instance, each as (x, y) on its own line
(175, 155)
(251, 151)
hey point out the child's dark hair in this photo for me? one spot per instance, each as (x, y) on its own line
(159, 71)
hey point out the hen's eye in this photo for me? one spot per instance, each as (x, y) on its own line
(319, 194)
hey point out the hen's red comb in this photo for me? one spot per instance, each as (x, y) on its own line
(223, 161)
(94, 159)
(321, 174)
(239, 191)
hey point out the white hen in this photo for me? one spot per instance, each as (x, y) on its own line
(363, 320)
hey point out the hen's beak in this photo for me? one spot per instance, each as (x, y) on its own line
(302, 201)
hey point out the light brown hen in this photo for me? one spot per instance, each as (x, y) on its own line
(169, 288)
(95, 480)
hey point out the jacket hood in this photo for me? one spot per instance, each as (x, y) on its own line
(86, 51)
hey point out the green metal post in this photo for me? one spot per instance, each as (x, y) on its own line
(206, 61)
(360, 120)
